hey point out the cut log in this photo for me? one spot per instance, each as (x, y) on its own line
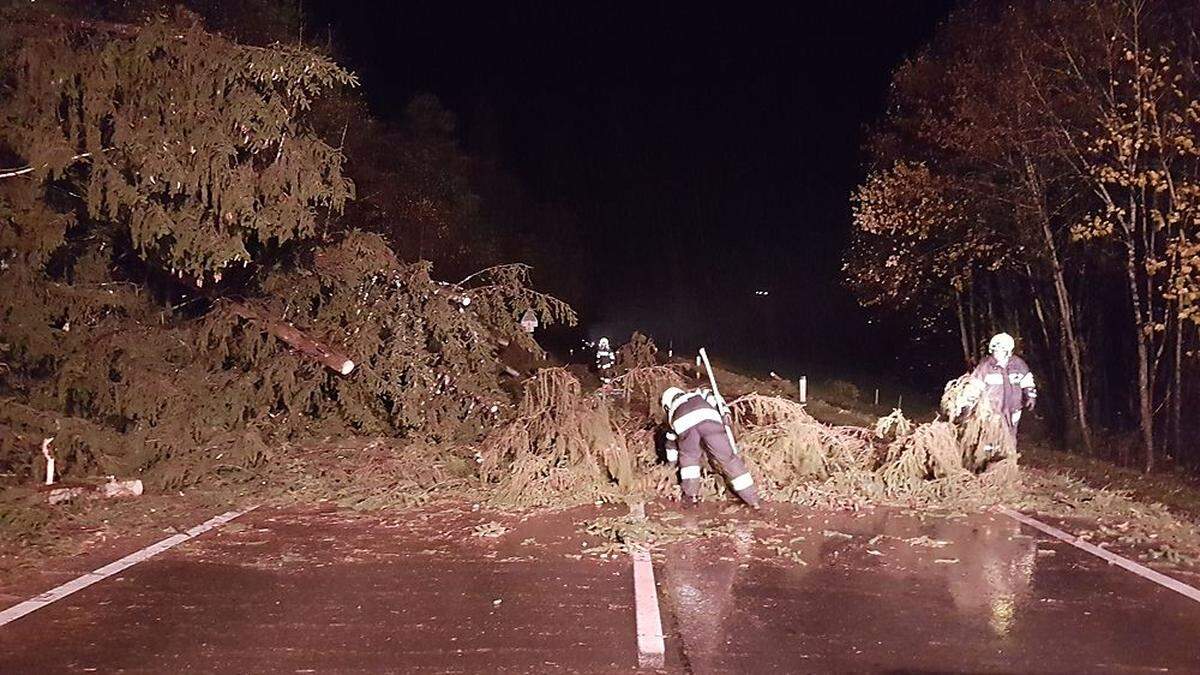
(295, 339)
(113, 489)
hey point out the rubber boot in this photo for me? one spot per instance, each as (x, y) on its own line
(750, 498)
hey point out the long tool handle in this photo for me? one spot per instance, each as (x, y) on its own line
(712, 380)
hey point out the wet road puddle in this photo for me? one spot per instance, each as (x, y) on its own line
(884, 590)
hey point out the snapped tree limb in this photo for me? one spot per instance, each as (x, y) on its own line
(295, 339)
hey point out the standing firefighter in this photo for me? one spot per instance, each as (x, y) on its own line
(697, 424)
(605, 360)
(1006, 380)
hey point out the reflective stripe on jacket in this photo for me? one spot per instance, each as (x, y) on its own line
(1009, 387)
(691, 408)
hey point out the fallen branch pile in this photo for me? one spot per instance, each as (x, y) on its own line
(562, 449)
(566, 448)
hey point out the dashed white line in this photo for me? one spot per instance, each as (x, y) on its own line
(53, 595)
(1140, 570)
(651, 648)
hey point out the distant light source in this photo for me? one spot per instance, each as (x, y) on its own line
(761, 292)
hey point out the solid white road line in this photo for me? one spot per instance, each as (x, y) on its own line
(1140, 570)
(651, 649)
(35, 603)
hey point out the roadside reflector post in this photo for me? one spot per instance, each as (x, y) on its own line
(876, 396)
(49, 459)
(803, 385)
(900, 401)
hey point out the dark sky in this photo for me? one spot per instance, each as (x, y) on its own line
(709, 151)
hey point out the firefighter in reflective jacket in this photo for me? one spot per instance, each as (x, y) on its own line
(697, 424)
(605, 360)
(1006, 380)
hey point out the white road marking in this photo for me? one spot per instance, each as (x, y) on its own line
(37, 602)
(651, 648)
(1140, 570)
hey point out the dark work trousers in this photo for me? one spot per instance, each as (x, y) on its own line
(710, 436)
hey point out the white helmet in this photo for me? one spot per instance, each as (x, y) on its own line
(669, 395)
(603, 343)
(1002, 342)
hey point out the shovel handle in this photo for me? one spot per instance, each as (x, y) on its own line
(712, 380)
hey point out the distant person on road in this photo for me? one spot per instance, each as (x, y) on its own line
(605, 360)
(697, 424)
(1006, 380)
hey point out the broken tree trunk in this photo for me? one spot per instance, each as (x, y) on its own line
(295, 339)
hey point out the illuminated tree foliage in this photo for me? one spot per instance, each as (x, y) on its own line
(190, 142)
(171, 297)
(1065, 135)
(916, 246)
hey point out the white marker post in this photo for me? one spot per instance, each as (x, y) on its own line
(49, 460)
(803, 384)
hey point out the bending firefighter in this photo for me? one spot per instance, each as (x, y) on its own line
(1006, 380)
(696, 425)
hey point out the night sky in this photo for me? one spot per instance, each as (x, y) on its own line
(709, 152)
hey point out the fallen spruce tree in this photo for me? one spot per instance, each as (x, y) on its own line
(171, 305)
(122, 390)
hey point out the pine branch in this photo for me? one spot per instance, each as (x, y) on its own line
(12, 173)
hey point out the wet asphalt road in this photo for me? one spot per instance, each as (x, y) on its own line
(882, 591)
(456, 590)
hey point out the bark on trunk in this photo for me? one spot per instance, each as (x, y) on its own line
(972, 323)
(1177, 394)
(962, 328)
(1073, 360)
(295, 339)
(1145, 405)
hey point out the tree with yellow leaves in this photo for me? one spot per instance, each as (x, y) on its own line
(1068, 132)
